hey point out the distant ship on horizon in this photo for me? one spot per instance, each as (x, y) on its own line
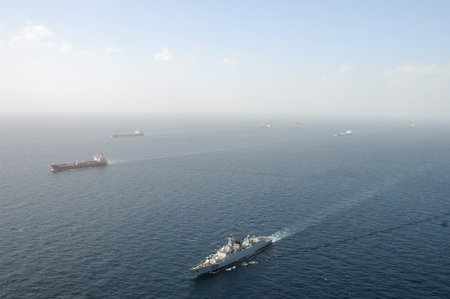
(135, 133)
(348, 132)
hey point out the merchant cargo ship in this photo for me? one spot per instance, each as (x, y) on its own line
(99, 160)
(135, 133)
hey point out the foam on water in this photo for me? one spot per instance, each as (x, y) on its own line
(282, 234)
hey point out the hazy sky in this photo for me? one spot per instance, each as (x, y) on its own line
(381, 58)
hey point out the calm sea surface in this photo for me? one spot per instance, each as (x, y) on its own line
(364, 216)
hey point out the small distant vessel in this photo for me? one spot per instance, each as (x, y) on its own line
(348, 132)
(99, 160)
(411, 126)
(135, 133)
(230, 253)
(299, 123)
(266, 127)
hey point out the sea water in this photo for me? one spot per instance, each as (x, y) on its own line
(362, 216)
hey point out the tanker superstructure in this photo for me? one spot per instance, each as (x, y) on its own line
(98, 160)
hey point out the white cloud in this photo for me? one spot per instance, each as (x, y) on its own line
(189, 58)
(83, 53)
(109, 50)
(33, 35)
(229, 61)
(40, 36)
(408, 74)
(65, 47)
(50, 45)
(163, 55)
(347, 69)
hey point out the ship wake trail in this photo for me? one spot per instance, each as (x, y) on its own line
(333, 209)
(282, 234)
(298, 227)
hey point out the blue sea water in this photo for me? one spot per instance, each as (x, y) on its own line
(363, 216)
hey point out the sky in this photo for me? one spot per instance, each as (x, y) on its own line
(325, 58)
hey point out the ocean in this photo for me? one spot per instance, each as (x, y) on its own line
(362, 216)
